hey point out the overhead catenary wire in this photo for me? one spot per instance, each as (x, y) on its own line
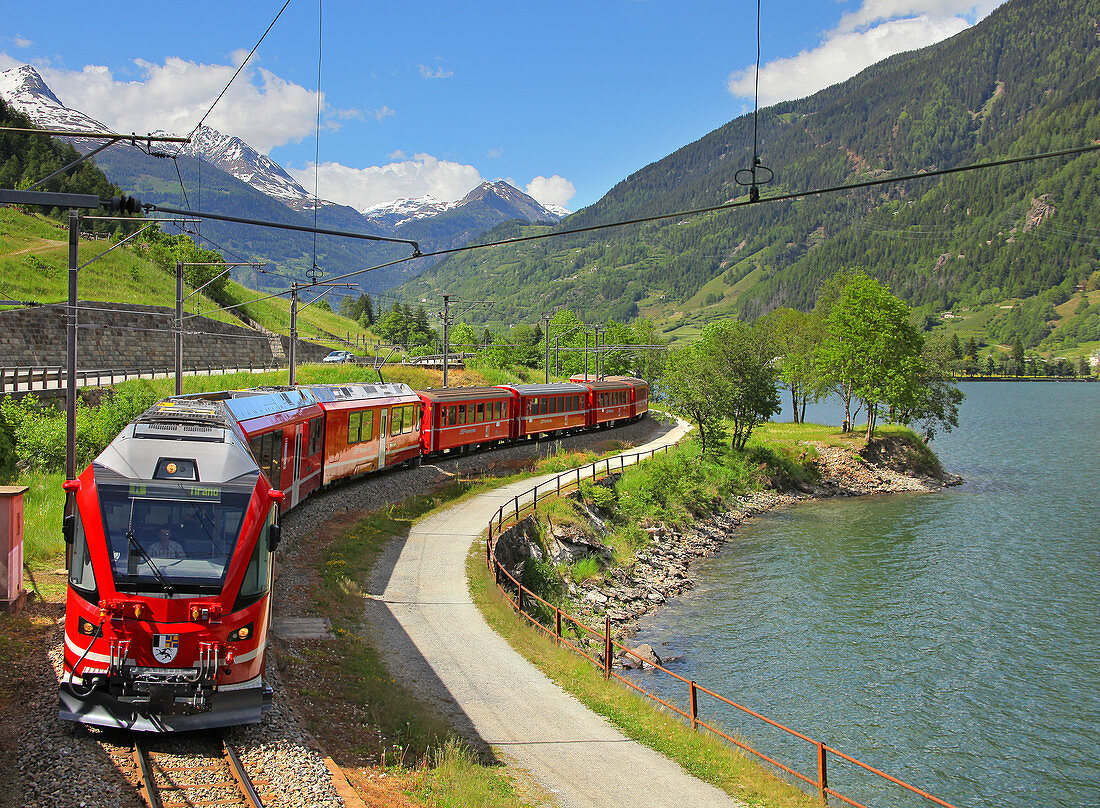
(726, 206)
(237, 72)
(317, 149)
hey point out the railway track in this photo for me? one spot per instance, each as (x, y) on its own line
(210, 774)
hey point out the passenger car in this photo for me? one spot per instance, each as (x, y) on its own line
(340, 357)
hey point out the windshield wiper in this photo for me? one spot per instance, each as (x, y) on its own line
(132, 539)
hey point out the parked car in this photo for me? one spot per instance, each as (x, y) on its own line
(340, 357)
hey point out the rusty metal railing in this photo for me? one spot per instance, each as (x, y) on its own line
(509, 514)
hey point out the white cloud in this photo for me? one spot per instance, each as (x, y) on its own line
(21, 41)
(555, 190)
(405, 178)
(261, 108)
(873, 11)
(874, 31)
(438, 72)
(7, 63)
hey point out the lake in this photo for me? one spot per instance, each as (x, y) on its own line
(949, 639)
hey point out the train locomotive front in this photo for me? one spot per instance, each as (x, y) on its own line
(167, 608)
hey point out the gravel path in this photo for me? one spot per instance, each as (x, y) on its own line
(440, 644)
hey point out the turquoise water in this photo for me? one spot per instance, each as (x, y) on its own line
(950, 639)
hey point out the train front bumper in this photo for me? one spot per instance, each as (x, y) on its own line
(164, 704)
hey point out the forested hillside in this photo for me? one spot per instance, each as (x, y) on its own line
(25, 159)
(1024, 80)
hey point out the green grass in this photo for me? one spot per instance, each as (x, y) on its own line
(34, 266)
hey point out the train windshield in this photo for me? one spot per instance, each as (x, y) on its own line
(174, 537)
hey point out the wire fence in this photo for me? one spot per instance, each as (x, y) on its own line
(555, 621)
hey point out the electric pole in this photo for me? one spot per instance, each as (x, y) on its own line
(447, 317)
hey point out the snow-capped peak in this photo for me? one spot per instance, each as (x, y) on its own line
(23, 88)
(234, 156)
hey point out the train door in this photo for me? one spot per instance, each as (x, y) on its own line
(383, 435)
(295, 485)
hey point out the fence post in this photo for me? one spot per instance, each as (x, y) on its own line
(822, 775)
(515, 499)
(578, 477)
(557, 624)
(558, 481)
(607, 646)
(694, 702)
(519, 596)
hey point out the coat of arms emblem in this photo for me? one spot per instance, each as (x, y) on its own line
(165, 647)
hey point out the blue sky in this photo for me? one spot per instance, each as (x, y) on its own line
(562, 100)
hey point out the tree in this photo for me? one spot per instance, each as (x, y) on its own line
(793, 336)
(696, 391)
(367, 314)
(1018, 355)
(727, 374)
(933, 400)
(871, 349)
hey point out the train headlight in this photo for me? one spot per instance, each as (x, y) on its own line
(87, 628)
(243, 633)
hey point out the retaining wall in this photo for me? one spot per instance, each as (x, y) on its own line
(133, 337)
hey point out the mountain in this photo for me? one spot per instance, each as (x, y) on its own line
(1024, 80)
(401, 211)
(26, 92)
(236, 158)
(222, 174)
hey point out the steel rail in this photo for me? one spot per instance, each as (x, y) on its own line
(148, 783)
(244, 782)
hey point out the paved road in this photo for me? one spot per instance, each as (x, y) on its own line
(442, 646)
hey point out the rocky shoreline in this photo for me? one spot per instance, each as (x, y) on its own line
(663, 569)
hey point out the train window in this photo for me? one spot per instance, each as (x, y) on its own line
(533, 407)
(204, 522)
(480, 417)
(256, 580)
(461, 414)
(80, 570)
(395, 420)
(360, 426)
(544, 406)
(316, 435)
(416, 417)
(452, 415)
(504, 409)
(409, 422)
(267, 449)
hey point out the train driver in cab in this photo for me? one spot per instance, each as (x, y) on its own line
(164, 547)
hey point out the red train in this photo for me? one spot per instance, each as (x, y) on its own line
(172, 532)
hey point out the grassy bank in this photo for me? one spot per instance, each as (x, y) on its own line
(368, 721)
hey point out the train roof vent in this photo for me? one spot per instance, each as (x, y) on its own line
(178, 431)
